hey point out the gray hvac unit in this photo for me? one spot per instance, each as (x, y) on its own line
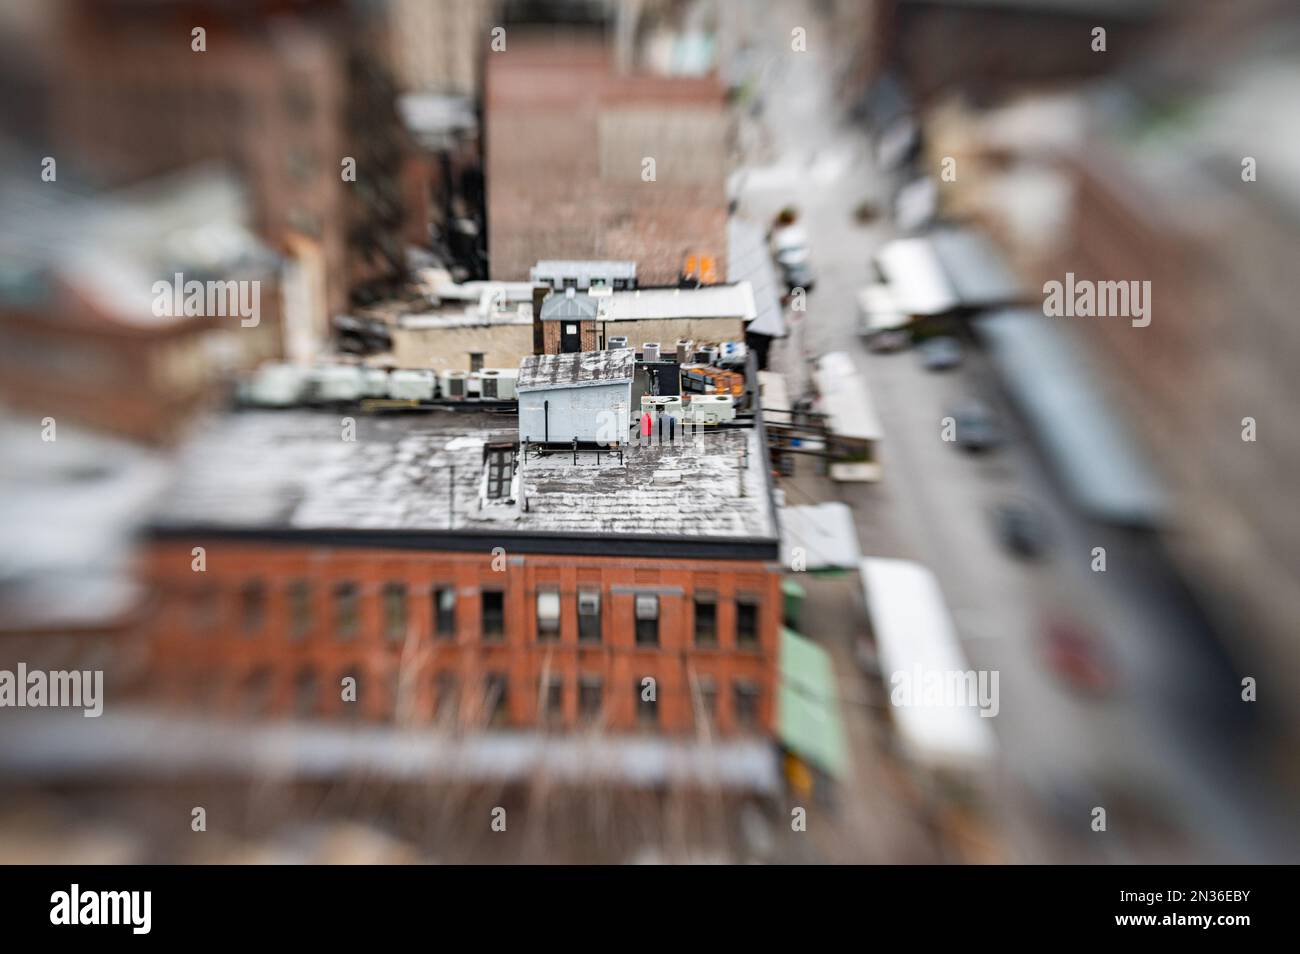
(650, 351)
(616, 343)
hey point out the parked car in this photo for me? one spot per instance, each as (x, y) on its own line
(976, 426)
(1022, 530)
(941, 353)
(1077, 656)
(884, 342)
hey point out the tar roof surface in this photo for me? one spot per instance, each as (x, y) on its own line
(576, 369)
(291, 470)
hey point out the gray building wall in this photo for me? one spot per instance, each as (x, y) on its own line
(575, 412)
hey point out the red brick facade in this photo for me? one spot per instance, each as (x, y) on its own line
(244, 636)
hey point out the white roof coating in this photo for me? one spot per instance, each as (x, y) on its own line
(709, 301)
(292, 470)
(576, 369)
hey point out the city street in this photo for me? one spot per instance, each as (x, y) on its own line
(1063, 753)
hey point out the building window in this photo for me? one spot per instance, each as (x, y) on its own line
(444, 612)
(548, 615)
(395, 611)
(747, 623)
(304, 692)
(258, 691)
(745, 699)
(706, 619)
(299, 609)
(590, 698)
(647, 619)
(252, 606)
(494, 615)
(494, 698)
(446, 696)
(550, 693)
(476, 361)
(589, 616)
(346, 619)
(647, 706)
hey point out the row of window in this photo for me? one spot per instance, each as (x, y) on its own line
(396, 617)
(495, 697)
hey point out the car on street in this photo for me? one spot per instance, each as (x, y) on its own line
(1021, 529)
(975, 426)
(940, 354)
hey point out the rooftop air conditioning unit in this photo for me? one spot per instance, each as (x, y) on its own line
(337, 382)
(685, 350)
(650, 351)
(616, 342)
(374, 382)
(411, 385)
(498, 384)
(711, 408)
(662, 404)
(453, 385)
(277, 385)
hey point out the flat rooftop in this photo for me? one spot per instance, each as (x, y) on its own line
(576, 369)
(415, 481)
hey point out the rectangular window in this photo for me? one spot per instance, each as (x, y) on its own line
(548, 615)
(346, 619)
(746, 623)
(299, 609)
(706, 619)
(395, 611)
(551, 700)
(252, 606)
(590, 698)
(476, 361)
(499, 463)
(494, 615)
(647, 619)
(589, 616)
(444, 612)
(745, 698)
(494, 698)
(647, 704)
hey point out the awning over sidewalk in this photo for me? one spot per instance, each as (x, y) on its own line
(748, 260)
(824, 532)
(808, 715)
(1087, 444)
(947, 269)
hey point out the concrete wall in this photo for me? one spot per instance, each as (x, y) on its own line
(448, 349)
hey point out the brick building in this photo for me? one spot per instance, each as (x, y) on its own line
(486, 583)
(566, 141)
